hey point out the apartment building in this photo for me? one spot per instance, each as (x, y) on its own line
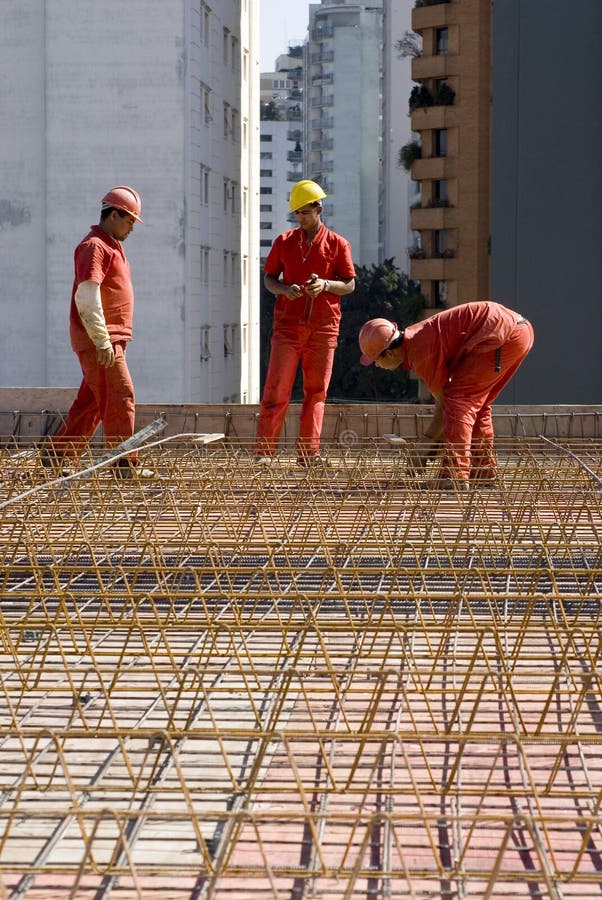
(163, 97)
(450, 115)
(281, 143)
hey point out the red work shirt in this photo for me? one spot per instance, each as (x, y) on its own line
(329, 256)
(100, 258)
(434, 347)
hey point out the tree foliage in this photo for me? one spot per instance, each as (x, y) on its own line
(409, 45)
(380, 291)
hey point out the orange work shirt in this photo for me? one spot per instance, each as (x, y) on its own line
(328, 256)
(433, 348)
(102, 259)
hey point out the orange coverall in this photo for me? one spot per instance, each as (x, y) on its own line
(106, 394)
(303, 332)
(468, 353)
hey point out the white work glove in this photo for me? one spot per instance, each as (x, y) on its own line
(89, 307)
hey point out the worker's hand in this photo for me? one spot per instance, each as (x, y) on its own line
(314, 286)
(106, 357)
(291, 291)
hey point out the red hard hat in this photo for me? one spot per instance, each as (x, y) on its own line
(375, 336)
(125, 198)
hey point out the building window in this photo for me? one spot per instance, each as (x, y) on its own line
(234, 197)
(234, 270)
(265, 137)
(265, 190)
(440, 293)
(226, 119)
(440, 241)
(205, 351)
(204, 185)
(265, 207)
(266, 154)
(265, 226)
(265, 173)
(234, 124)
(205, 23)
(226, 269)
(226, 45)
(206, 103)
(441, 35)
(441, 142)
(440, 191)
(265, 243)
(234, 53)
(204, 265)
(226, 193)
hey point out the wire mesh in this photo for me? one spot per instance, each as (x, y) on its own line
(236, 681)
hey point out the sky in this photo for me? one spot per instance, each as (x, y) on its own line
(281, 22)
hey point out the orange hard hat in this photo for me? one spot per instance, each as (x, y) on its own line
(125, 198)
(375, 336)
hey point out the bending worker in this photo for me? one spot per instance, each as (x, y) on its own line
(100, 326)
(466, 355)
(309, 269)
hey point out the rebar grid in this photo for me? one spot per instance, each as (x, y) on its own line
(238, 681)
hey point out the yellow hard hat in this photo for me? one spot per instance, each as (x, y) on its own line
(304, 192)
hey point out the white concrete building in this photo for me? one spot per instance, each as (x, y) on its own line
(357, 90)
(281, 153)
(164, 97)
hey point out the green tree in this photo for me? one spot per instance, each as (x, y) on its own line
(381, 290)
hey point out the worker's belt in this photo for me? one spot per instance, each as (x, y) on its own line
(520, 320)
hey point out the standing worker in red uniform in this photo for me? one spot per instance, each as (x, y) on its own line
(309, 269)
(466, 355)
(100, 326)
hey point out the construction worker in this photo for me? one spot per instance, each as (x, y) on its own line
(100, 325)
(466, 355)
(309, 269)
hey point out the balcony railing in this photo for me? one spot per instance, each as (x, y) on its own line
(323, 56)
(295, 156)
(294, 135)
(324, 144)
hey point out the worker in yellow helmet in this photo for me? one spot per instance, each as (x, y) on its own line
(308, 269)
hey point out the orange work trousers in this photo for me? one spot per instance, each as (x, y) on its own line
(105, 395)
(314, 349)
(467, 399)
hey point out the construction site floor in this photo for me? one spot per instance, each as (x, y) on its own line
(246, 682)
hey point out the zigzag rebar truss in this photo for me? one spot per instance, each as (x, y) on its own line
(242, 682)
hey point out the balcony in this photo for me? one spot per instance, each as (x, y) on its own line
(433, 269)
(433, 167)
(293, 176)
(433, 67)
(295, 156)
(323, 122)
(294, 135)
(323, 56)
(325, 78)
(323, 31)
(432, 16)
(435, 218)
(323, 144)
(433, 117)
